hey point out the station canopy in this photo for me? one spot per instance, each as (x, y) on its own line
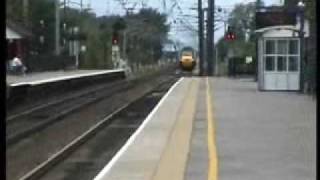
(10, 34)
(275, 17)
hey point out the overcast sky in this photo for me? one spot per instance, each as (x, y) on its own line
(179, 30)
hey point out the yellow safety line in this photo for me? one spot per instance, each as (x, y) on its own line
(174, 157)
(212, 149)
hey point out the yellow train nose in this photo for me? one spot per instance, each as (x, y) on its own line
(187, 63)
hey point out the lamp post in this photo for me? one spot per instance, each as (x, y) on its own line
(64, 34)
(83, 49)
(200, 21)
(57, 27)
(42, 32)
(76, 46)
(210, 38)
(301, 7)
(42, 48)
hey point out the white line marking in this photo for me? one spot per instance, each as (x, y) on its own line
(115, 158)
(32, 83)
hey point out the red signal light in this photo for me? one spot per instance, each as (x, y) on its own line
(232, 36)
(114, 41)
(115, 38)
(227, 36)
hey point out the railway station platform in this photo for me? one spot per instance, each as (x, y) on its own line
(53, 76)
(219, 128)
(38, 85)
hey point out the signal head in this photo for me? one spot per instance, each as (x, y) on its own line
(115, 38)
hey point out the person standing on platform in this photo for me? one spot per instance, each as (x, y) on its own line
(17, 66)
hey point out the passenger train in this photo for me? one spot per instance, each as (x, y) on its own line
(187, 59)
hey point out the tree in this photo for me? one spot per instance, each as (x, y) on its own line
(147, 32)
(14, 10)
(42, 10)
(38, 10)
(259, 3)
(243, 22)
(242, 19)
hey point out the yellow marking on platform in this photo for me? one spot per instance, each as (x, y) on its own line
(212, 149)
(174, 158)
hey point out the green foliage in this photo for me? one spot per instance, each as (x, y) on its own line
(146, 31)
(98, 47)
(43, 10)
(243, 21)
(37, 10)
(119, 25)
(13, 10)
(260, 3)
(146, 34)
(311, 10)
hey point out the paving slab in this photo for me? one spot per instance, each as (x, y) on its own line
(159, 148)
(197, 165)
(258, 135)
(263, 135)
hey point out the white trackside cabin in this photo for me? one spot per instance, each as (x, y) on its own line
(279, 57)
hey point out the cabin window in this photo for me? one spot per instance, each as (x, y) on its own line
(281, 55)
(293, 64)
(282, 63)
(269, 63)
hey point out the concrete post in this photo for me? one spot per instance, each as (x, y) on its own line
(302, 60)
(25, 11)
(57, 27)
(200, 22)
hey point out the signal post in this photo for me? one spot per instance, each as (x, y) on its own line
(210, 38)
(115, 50)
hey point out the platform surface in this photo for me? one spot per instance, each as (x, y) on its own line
(50, 76)
(220, 128)
(263, 135)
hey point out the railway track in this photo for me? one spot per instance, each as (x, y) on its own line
(50, 158)
(124, 112)
(13, 116)
(28, 122)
